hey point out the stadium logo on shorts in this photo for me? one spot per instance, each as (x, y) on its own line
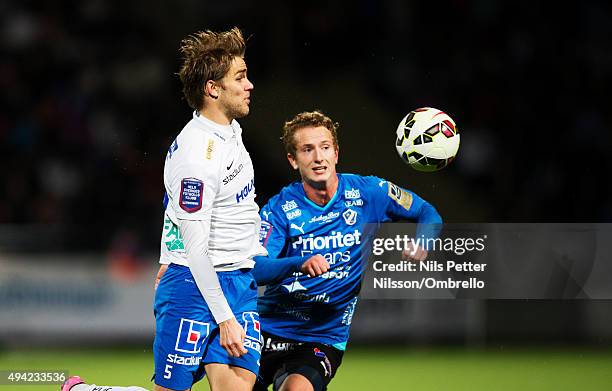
(252, 328)
(191, 335)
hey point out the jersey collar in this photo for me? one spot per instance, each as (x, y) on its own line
(226, 131)
(331, 200)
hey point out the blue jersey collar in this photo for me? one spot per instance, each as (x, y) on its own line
(331, 200)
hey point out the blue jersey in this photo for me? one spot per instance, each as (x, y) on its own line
(320, 309)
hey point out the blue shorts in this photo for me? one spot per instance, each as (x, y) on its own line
(186, 334)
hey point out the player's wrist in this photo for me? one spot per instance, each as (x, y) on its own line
(224, 318)
(227, 322)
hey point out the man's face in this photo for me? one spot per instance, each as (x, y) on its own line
(235, 91)
(316, 155)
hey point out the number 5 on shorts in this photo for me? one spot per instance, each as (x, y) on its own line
(167, 373)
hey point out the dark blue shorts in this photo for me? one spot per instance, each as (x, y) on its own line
(186, 334)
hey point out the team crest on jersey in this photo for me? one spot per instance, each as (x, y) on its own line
(191, 335)
(399, 195)
(191, 195)
(349, 216)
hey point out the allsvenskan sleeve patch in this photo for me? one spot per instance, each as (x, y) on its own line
(399, 195)
(191, 195)
(265, 230)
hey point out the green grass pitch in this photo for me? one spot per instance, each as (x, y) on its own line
(372, 369)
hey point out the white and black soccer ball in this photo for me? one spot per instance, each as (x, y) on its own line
(427, 139)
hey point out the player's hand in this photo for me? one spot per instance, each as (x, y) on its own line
(232, 337)
(414, 253)
(160, 273)
(315, 266)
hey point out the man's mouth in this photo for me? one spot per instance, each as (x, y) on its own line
(319, 169)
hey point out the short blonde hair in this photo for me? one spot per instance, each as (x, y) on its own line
(307, 119)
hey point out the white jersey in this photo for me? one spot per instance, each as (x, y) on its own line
(209, 176)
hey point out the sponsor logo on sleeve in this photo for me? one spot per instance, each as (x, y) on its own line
(173, 147)
(191, 336)
(401, 196)
(191, 195)
(265, 230)
(172, 236)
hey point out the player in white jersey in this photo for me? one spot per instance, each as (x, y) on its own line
(205, 304)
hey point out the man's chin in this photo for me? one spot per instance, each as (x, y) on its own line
(318, 182)
(240, 113)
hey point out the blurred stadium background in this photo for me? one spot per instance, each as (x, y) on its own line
(90, 103)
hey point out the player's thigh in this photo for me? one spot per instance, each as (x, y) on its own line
(183, 325)
(276, 352)
(296, 382)
(240, 290)
(314, 363)
(225, 377)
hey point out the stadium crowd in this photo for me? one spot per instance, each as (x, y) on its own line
(90, 103)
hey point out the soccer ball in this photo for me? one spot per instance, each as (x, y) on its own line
(427, 139)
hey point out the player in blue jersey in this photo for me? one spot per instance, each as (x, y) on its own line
(306, 320)
(206, 302)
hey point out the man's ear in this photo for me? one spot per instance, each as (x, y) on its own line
(292, 161)
(211, 89)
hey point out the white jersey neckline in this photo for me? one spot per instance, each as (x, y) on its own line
(225, 130)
